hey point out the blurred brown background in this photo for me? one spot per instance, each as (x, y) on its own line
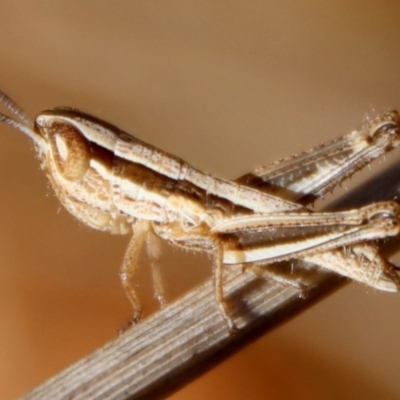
(227, 85)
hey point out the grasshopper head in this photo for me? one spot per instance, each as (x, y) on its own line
(79, 161)
(76, 152)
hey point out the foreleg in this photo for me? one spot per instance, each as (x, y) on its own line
(218, 280)
(129, 266)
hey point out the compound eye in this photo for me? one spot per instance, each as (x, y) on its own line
(70, 150)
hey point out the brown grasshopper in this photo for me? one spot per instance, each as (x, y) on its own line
(114, 182)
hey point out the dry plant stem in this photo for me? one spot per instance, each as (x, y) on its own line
(171, 347)
(189, 336)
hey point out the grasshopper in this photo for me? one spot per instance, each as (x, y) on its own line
(114, 182)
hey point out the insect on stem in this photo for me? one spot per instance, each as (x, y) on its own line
(114, 182)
